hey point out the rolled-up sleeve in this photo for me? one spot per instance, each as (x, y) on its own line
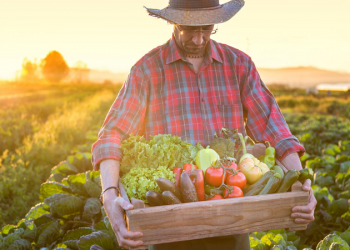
(126, 116)
(264, 119)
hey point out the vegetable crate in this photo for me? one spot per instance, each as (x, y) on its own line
(204, 219)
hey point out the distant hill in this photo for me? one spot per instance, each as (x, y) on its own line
(302, 77)
(105, 76)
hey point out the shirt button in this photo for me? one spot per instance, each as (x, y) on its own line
(202, 100)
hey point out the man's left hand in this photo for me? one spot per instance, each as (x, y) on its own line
(305, 214)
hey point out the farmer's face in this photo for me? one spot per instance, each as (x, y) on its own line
(192, 40)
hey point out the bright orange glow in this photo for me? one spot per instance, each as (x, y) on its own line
(113, 35)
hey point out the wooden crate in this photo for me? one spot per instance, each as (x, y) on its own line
(188, 221)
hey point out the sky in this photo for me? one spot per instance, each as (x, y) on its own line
(113, 35)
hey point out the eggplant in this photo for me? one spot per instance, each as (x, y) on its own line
(188, 190)
(169, 198)
(154, 198)
(166, 185)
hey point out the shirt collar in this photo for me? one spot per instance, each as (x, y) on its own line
(174, 52)
(213, 51)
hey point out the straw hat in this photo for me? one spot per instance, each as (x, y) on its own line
(197, 12)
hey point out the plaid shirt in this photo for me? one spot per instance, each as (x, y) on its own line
(164, 95)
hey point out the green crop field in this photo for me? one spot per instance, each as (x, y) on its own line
(48, 191)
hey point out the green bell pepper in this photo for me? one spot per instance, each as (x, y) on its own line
(269, 158)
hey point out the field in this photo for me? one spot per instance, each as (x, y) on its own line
(48, 191)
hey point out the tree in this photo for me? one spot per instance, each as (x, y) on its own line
(54, 67)
(29, 71)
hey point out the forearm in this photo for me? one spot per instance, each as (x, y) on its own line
(292, 161)
(109, 177)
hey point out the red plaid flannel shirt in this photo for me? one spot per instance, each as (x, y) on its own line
(164, 95)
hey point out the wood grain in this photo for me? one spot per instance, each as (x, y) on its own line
(215, 218)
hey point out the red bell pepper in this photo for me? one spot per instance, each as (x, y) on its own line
(177, 172)
(197, 178)
(188, 166)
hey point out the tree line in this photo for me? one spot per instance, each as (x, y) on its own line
(54, 69)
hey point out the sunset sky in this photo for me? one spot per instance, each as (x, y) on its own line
(113, 34)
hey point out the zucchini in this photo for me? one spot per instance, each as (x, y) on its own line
(188, 190)
(306, 173)
(290, 177)
(263, 180)
(169, 198)
(271, 185)
(256, 190)
(166, 185)
(154, 198)
(278, 169)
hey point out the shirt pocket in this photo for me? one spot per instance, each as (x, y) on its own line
(231, 116)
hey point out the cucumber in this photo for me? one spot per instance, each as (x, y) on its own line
(263, 180)
(256, 190)
(289, 178)
(166, 185)
(188, 190)
(278, 169)
(271, 185)
(154, 198)
(169, 198)
(306, 173)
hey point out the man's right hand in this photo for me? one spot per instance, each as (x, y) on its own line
(114, 208)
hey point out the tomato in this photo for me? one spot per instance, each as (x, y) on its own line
(214, 176)
(188, 166)
(215, 197)
(253, 169)
(233, 192)
(238, 180)
(231, 166)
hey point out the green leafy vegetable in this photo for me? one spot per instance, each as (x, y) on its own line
(139, 180)
(327, 242)
(96, 238)
(161, 150)
(49, 188)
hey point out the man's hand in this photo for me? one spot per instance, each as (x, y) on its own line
(115, 210)
(305, 214)
(115, 206)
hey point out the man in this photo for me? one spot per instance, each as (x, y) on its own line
(191, 87)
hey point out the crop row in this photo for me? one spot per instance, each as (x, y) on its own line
(56, 226)
(21, 117)
(22, 171)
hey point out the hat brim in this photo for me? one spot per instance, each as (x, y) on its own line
(198, 17)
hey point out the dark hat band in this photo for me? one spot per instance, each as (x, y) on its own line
(193, 4)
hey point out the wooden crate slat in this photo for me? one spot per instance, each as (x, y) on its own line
(209, 219)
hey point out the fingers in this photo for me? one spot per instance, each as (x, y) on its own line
(305, 214)
(307, 185)
(303, 217)
(124, 204)
(126, 239)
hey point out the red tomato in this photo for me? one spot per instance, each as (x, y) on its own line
(231, 166)
(215, 197)
(214, 176)
(188, 166)
(237, 180)
(235, 192)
